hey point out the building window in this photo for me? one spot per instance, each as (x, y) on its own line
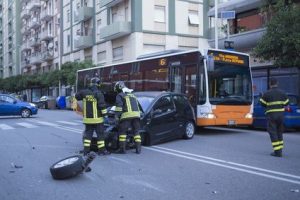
(101, 56)
(69, 40)
(117, 53)
(193, 18)
(160, 14)
(68, 15)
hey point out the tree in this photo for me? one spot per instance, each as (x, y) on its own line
(281, 42)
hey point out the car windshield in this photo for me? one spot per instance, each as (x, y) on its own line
(145, 101)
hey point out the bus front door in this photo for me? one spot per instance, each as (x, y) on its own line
(183, 80)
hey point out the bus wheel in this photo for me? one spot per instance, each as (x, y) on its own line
(189, 130)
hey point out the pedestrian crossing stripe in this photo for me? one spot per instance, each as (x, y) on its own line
(5, 127)
(26, 125)
(68, 123)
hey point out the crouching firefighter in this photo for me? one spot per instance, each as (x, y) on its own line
(128, 114)
(94, 109)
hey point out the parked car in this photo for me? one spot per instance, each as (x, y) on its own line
(166, 116)
(10, 105)
(291, 115)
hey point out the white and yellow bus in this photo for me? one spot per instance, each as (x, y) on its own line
(217, 82)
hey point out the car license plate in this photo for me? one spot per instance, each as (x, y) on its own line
(298, 110)
(231, 122)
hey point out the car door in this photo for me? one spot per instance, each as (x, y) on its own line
(7, 105)
(163, 121)
(259, 114)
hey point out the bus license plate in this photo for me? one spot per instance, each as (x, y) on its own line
(231, 122)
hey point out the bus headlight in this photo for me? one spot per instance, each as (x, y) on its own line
(248, 116)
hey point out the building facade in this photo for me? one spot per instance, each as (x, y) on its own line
(110, 31)
(10, 34)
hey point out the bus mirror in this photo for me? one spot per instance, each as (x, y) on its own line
(210, 63)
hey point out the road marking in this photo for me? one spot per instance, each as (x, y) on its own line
(46, 123)
(217, 162)
(27, 125)
(6, 127)
(68, 123)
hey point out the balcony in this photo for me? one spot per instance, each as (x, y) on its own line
(109, 3)
(242, 41)
(47, 15)
(25, 62)
(33, 42)
(34, 5)
(47, 56)
(25, 30)
(26, 46)
(25, 14)
(83, 13)
(36, 59)
(34, 23)
(115, 30)
(46, 36)
(82, 42)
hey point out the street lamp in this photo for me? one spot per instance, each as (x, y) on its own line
(216, 25)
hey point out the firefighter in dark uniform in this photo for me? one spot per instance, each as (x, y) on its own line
(94, 109)
(274, 101)
(128, 114)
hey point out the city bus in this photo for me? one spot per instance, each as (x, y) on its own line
(218, 83)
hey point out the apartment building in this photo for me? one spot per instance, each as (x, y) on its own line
(110, 31)
(40, 36)
(10, 42)
(245, 31)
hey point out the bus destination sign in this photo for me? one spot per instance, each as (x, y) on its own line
(225, 57)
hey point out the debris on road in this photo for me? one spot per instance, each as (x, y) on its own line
(295, 190)
(13, 165)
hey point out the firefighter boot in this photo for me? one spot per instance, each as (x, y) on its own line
(103, 152)
(276, 153)
(138, 147)
(122, 148)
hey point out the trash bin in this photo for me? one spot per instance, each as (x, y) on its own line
(51, 103)
(61, 102)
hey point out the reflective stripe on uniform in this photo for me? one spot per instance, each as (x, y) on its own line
(122, 138)
(275, 110)
(137, 138)
(100, 144)
(104, 111)
(86, 143)
(118, 109)
(134, 114)
(93, 121)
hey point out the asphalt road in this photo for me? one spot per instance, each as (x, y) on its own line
(218, 163)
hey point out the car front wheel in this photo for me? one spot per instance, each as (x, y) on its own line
(189, 130)
(25, 113)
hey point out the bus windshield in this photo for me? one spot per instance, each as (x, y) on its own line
(229, 84)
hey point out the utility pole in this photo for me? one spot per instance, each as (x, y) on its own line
(216, 25)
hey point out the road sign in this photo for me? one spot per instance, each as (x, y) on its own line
(228, 14)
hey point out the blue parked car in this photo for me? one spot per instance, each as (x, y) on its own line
(291, 115)
(10, 105)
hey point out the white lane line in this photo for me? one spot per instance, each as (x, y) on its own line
(230, 163)
(6, 127)
(68, 123)
(225, 166)
(46, 123)
(27, 125)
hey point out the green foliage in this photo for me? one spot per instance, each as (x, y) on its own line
(67, 76)
(281, 43)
